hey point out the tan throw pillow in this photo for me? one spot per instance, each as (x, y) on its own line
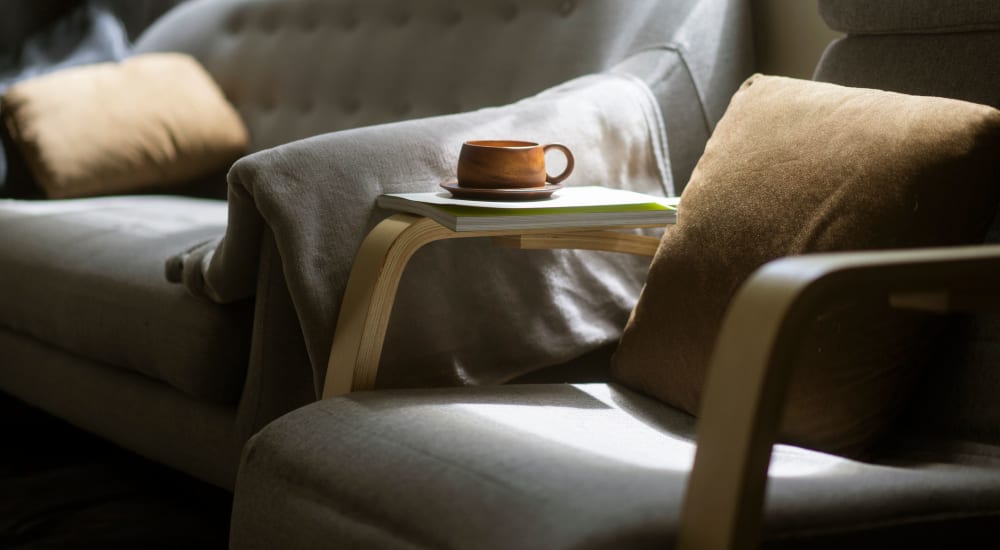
(796, 167)
(146, 123)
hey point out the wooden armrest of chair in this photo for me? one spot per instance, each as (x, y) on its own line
(751, 366)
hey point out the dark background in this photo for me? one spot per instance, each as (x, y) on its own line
(63, 488)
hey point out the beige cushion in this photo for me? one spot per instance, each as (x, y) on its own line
(797, 167)
(149, 122)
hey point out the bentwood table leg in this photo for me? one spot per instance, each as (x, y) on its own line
(368, 299)
(378, 268)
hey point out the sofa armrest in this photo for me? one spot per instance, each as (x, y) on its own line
(751, 365)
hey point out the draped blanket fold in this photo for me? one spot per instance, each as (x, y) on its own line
(466, 312)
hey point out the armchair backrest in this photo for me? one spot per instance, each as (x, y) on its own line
(296, 68)
(939, 48)
(925, 47)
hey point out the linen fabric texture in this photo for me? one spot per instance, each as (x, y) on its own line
(796, 167)
(536, 466)
(148, 123)
(957, 396)
(317, 197)
(887, 17)
(56, 287)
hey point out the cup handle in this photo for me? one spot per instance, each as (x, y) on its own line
(569, 162)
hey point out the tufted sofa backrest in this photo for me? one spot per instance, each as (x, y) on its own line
(296, 68)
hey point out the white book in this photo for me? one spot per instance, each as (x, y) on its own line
(590, 206)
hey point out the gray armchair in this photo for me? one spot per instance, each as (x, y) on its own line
(599, 465)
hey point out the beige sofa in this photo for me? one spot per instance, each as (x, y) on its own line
(184, 371)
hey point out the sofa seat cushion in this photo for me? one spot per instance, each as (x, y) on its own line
(552, 466)
(86, 276)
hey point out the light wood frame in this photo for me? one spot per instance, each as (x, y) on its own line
(379, 265)
(752, 362)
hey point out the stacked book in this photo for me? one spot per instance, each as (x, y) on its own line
(590, 206)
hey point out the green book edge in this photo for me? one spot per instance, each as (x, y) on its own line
(475, 211)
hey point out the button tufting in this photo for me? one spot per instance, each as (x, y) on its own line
(269, 23)
(352, 105)
(351, 19)
(452, 18)
(309, 22)
(401, 19)
(235, 24)
(567, 6)
(403, 108)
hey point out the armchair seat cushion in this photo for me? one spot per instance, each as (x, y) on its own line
(555, 466)
(86, 276)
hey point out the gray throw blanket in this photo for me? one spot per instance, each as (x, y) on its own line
(467, 312)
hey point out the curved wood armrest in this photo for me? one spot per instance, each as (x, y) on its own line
(751, 367)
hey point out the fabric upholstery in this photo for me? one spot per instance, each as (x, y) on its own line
(86, 276)
(910, 16)
(149, 122)
(955, 403)
(681, 66)
(132, 410)
(557, 466)
(264, 54)
(137, 15)
(403, 61)
(279, 374)
(450, 444)
(917, 64)
(608, 120)
(850, 169)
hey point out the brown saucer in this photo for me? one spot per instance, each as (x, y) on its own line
(509, 194)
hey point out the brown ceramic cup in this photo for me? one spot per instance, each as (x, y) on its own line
(506, 164)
